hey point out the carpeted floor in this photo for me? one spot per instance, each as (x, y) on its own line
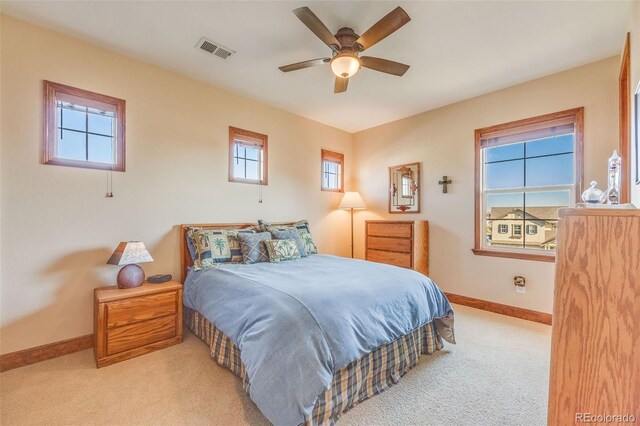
(497, 374)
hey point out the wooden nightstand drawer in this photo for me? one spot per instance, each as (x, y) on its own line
(128, 311)
(135, 321)
(140, 334)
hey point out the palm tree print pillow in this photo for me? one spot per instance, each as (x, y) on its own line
(280, 250)
(214, 246)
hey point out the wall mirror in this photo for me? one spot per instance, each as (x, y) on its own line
(404, 188)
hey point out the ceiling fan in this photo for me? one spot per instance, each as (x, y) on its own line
(347, 45)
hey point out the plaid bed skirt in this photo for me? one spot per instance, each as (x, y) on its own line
(360, 380)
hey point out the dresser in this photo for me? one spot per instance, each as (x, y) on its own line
(403, 243)
(595, 344)
(134, 321)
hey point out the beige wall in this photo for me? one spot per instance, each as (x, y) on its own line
(443, 139)
(57, 227)
(634, 28)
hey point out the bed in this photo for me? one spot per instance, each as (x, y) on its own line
(310, 338)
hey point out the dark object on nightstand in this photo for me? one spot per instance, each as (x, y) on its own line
(160, 278)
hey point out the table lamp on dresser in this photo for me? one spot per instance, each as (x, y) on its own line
(128, 253)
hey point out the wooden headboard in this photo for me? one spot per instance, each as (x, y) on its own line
(185, 257)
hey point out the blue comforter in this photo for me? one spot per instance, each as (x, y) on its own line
(298, 322)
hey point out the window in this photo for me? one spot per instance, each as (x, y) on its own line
(247, 157)
(332, 171)
(503, 229)
(83, 129)
(525, 171)
(517, 230)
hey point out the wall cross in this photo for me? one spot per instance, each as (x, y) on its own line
(444, 182)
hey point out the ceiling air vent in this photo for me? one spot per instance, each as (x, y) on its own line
(214, 48)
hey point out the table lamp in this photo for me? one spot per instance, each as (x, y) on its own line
(352, 201)
(129, 253)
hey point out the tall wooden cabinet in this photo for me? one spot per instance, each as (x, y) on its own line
(403, 243)
(595, 348)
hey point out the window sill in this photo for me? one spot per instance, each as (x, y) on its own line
(515, 255)
(331, 189)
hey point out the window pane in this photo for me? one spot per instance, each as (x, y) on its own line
(508, 205)
(509, 174)
(554, 145)
(101, 149)
(102, 124)
(504, 152)
(72, 145)
(545, 205)
(252, 153)
(252, 169)
(500, 234)
(74, 119)
(554, 170)
(238, 168)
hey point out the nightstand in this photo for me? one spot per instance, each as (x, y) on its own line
(135, 321)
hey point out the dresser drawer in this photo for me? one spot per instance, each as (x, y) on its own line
(139, 334)
(390, 229)
(393, 244)
(392, 258)
(128, 311)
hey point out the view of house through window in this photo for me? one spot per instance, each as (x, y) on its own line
(247, 156)
(332, 171)
(527, 173)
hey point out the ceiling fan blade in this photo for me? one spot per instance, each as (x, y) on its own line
(304, 64)
(340, 85)
(384, 65)
(317, 27)
(393, 21)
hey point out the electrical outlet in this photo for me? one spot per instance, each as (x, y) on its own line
(519, 282)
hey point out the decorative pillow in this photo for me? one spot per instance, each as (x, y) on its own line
(303, 229)
(215, 246)
(290, 233)
(190, 245)
(280, 250)
(253, 250)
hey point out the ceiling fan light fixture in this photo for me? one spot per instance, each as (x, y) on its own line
(345, 65)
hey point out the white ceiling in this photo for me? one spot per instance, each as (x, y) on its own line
(456, 50)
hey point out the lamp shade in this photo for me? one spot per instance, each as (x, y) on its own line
(352, 200)
(129, 252)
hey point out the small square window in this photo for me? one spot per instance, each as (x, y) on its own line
(503, 229)
(532, 229)
(247, 156)
(516, 230)
(332, 164)
(83, 129)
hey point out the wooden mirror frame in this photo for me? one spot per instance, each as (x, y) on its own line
(394, 209)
